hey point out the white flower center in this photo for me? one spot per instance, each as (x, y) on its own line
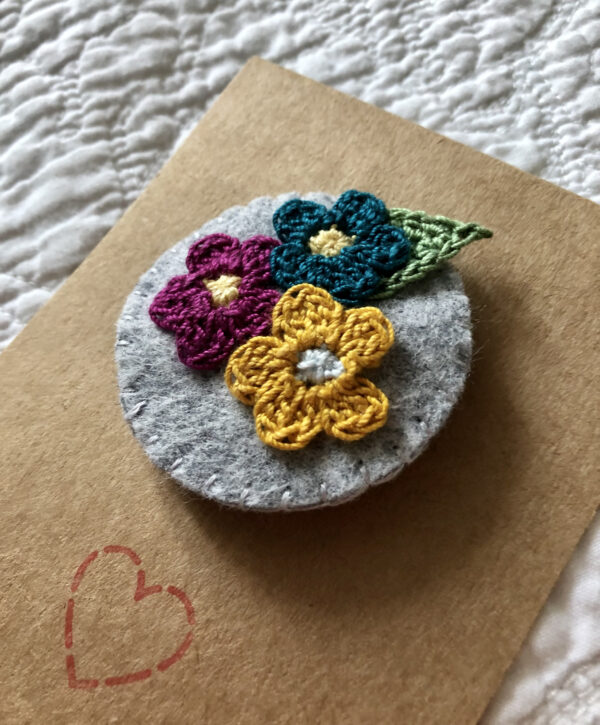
(318, 364)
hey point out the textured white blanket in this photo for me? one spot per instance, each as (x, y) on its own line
(96, 94)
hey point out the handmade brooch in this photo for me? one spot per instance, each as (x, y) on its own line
(300, 363)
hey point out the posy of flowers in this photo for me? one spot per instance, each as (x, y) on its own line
(294, 319)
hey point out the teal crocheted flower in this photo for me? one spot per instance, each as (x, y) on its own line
(346, 250)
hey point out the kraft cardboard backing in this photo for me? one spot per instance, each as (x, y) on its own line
(405, 606)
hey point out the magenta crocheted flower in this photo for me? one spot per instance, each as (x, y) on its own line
(225, 299)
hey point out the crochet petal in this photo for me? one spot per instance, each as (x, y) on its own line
(250, 313)
(367, 335)
(287, 264)
(214, 255)
(297, 220)
(286, 413)
(308, 316)
(356, 212)
(205, 341)
(205, 344)
(184, 296)
(353, 408)
(255, 254)
(389, 249)
(259, 297)
(254, 363)
(349, 283)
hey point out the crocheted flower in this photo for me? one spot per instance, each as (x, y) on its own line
(305, 377)
(226, 298)
(346, 249)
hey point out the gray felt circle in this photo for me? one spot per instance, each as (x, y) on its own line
(191, 426)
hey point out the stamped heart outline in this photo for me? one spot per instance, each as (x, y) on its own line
(141, 592)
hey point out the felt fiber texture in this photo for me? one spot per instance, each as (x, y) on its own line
(191, 426)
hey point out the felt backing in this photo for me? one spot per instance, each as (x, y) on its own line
(191, 426)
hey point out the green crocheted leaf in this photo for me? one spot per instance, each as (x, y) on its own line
(433, 239)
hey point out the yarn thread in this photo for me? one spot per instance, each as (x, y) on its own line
(288, 410)
(433, 240)
(226, 298)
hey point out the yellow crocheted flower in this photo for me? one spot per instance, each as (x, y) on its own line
(305, 377)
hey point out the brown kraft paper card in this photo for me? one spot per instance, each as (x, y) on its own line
(127, 599)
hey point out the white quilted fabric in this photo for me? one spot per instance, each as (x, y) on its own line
(96, 94)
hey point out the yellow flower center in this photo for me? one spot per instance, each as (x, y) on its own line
(224, 289)
(329, 242)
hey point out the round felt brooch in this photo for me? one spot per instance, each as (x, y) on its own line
(295, 351)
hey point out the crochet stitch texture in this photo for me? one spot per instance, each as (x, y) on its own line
(288, 410)
(346, 250)
(226, 298)
(433, 241)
